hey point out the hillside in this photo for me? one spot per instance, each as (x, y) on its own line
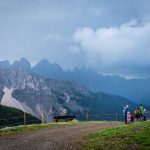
(136, 136)
(12, 116)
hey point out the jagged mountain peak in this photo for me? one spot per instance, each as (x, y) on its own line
(23, 63)
(5, 64)
(24, 60)
(46, 69)
(44, 62)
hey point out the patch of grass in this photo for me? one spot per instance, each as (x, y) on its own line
(26, 128)
(136, 136)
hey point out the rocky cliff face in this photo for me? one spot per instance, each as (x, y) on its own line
(33, 94)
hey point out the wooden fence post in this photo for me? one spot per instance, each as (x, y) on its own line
(87, 116)
(24, 117)
(42, 117)
(116, 116)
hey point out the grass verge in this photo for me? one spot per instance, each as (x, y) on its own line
(135, 136)
(26, 128)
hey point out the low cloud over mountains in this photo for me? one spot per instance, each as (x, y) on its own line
(120, 50)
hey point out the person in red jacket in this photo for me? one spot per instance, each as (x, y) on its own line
(132, 116)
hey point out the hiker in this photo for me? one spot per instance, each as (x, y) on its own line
(125, 111)
(132, 116)
(124, 108)
(144, 115)
(137, 114)
(128, 117)
(141, 112)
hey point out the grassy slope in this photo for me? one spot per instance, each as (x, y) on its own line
(136, 136)
(22, 129)
(11, 116)
(27, 128)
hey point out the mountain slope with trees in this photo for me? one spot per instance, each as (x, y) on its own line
(11, 116)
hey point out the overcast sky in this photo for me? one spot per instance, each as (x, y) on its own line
(111, 36)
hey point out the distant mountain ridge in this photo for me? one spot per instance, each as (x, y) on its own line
(45, 69)
(23, 63)
(22, 89)
(135, 89)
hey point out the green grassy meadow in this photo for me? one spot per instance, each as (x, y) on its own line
(26, 128)
(127, 137)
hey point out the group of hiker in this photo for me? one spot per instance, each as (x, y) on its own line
(137, 115)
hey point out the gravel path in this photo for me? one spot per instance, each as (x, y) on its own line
(52, 138)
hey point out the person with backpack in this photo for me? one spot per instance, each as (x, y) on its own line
(124, 108)
(144, 115)
(141, 111)
(132, 116)
(137, 114)
(128, 117)
(125, 111)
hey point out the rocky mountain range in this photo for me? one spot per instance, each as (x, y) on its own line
(136, 90)
(22, 88)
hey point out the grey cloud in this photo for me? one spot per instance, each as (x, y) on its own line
(127, 45)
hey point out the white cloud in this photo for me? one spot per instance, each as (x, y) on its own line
(127, 45)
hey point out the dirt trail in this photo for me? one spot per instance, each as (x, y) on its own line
(52, 138)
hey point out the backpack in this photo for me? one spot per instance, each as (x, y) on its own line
(141, 109)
